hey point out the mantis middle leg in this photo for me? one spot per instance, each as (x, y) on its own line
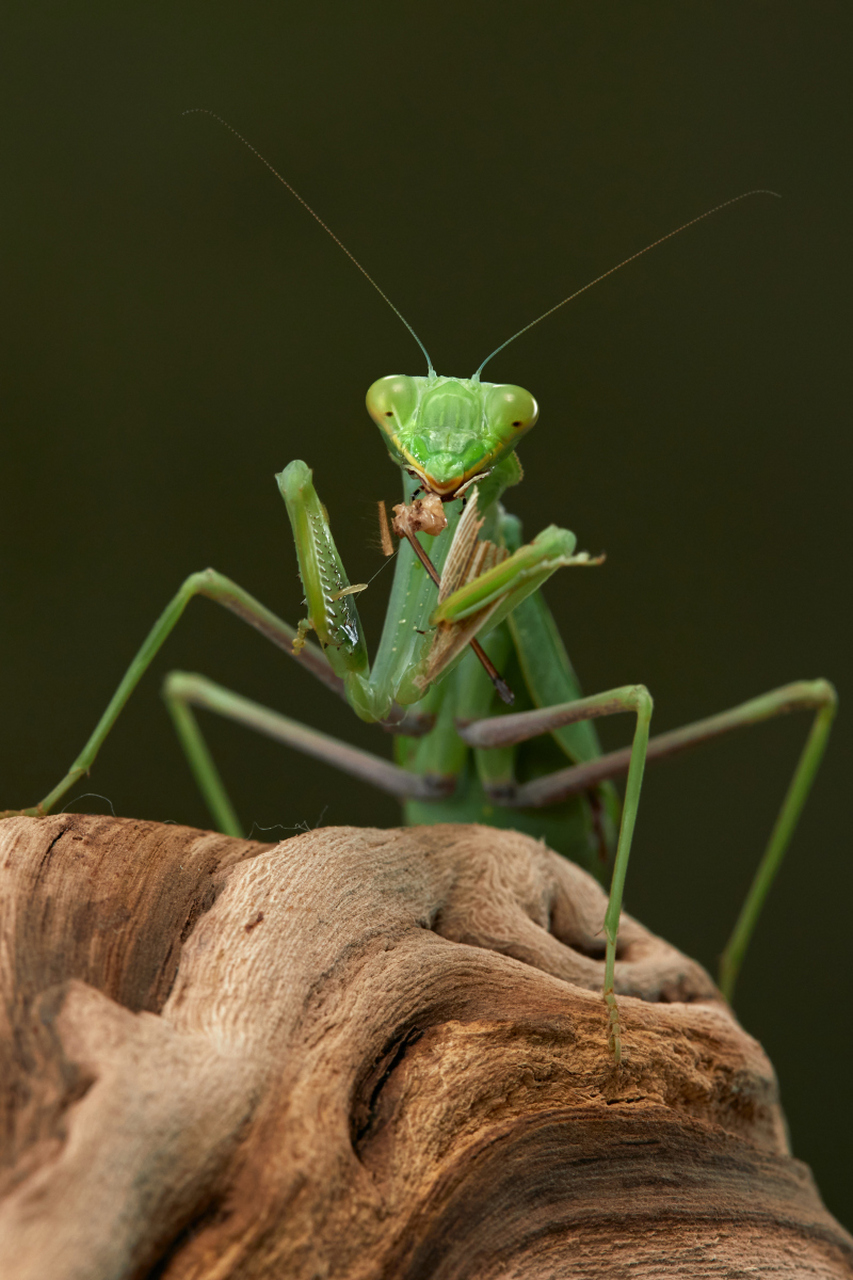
(215, 586)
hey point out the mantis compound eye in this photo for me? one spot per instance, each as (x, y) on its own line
(510, 411)
(391, 402)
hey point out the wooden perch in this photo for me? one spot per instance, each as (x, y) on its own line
(363, 1054)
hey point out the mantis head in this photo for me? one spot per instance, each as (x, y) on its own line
(446, 431)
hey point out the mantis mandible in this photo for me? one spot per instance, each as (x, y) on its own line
(466, 634)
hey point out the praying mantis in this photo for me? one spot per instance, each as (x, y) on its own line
(471, 676)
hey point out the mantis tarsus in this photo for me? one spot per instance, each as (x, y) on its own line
(467, 631)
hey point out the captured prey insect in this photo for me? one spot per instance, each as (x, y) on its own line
(467, 633)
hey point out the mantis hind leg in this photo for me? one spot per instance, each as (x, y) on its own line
(183, 691)
(814, 695)
(510, 729)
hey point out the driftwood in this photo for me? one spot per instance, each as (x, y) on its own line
(367, 1053)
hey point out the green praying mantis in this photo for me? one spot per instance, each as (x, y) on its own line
(471, 675)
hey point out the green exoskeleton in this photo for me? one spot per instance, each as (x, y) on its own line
(466, 634)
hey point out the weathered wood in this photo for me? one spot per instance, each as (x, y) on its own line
(367, 1053)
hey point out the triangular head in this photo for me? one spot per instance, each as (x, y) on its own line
(446, 431)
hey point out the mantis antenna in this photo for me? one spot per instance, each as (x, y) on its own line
(760, 191)
(204, 111)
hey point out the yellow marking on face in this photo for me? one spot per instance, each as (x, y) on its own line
(429, 483)
(482, 468)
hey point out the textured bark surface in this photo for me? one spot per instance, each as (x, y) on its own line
(367, 1053)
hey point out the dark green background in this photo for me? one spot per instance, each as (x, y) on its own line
(178, 329)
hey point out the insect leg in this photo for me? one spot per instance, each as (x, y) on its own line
(805, 695)
(333, 615)
(225, 592)
(509, 729)
(332, 612)
(183, 690)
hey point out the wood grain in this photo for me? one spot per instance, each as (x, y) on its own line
(365, 1053)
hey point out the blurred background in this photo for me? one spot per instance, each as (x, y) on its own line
(178, 329)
